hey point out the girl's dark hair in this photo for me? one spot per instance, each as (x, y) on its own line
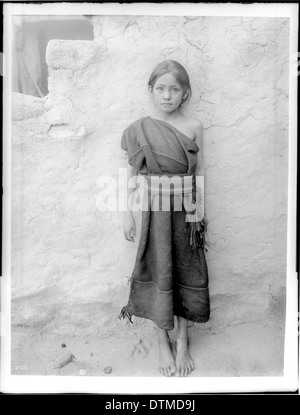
(170, 66)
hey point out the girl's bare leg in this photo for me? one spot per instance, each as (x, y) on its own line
(167, 364)
(184, 362)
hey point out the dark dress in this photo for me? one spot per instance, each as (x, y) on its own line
(170, 275)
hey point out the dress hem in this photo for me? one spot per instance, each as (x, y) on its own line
(125, 313)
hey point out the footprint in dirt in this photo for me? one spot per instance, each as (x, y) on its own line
(139, 349)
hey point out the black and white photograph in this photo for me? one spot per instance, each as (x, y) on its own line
(149, 198)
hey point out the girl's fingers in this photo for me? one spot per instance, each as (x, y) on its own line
(129, 234)
(129, 238)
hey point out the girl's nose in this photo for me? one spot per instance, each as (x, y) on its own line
(167, 95)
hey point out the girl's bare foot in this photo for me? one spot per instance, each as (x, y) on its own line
(167, 365)
(184, 362)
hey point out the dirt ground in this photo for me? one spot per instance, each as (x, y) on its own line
(248, 349)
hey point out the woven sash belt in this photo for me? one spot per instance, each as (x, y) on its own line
(184, 187)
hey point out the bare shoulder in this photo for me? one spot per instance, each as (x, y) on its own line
(195, 125)
(193, 122)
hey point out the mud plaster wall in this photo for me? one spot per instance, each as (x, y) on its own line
(70, 262)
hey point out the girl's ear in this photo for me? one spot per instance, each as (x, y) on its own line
(185, 96)
(150, 91)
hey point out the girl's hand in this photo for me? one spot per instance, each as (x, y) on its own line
(129, 227)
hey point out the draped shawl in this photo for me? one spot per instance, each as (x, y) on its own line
(170, 273)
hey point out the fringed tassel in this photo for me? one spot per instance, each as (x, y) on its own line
(125, 313)
(198, 229)
(197, 234)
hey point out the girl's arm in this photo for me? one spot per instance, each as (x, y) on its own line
(199, 171)
(129, 222)
(199, 141)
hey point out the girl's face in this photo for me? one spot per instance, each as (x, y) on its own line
(167, 93)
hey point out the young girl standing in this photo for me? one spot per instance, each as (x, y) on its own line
(170, 278)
